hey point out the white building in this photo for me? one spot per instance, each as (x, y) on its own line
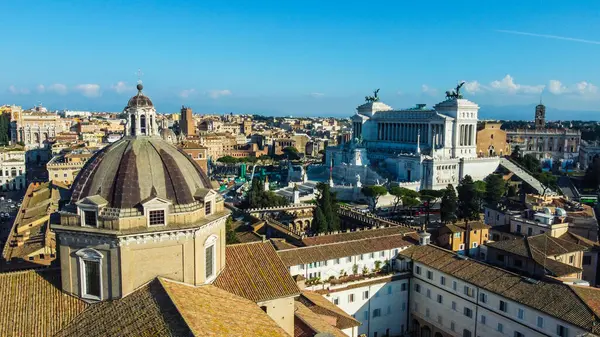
(452, 295)
(588, 151)
(12, 169)
(432, 146)
(377, 301)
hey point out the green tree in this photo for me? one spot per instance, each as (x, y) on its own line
(480, 194)
(227, 160)
(319, 224)
(291, 153)
(548, 180)
(494, 189)
(399, 193)
(516, 153)
(592, 175)
(429, 198)
(327, 201)
(4, 129)
(373, 193)
(230, 236)
(409, 202)
(531, 163)
(468, 207)
(448, 204)
(257, 197)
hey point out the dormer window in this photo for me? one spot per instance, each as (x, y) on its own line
(90, 218)
(208, 207)
(156, 218)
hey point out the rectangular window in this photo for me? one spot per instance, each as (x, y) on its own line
(483, 318)
(571, 259)
(366, 315)
(457, 235)
(428, 293)
(469, 291)
(336, 300)
(452, 326)
(430, 274)
(562, 331)
(427, 312)
(500, 327)
(442, 280)
(156, 218)
(453, 305)
(454, 285)
(376, 313)
(503, 306)
(518, 334)
(389, 290)
(418, 288)
(207, 208)
(89, 217)
(540, 322)
(210, 261)
(466, 333)
(440, 299)
(365, 295)
(468, 312)
(521, 313)
(349, 259)
(418, 270)
(403, 287)
(360, 257)
(350, 298)
(337, 261)
(92, 278)
(372, 255)
(382, 254)
(482, 297)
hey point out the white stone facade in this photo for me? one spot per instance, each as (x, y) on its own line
(12, 169)
(435, 146)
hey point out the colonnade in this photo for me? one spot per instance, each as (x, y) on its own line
(467, 135)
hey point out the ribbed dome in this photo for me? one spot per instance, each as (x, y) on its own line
(140, 100)
(134, 169)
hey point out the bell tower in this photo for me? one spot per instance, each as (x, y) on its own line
(141, 115)
(540, 116)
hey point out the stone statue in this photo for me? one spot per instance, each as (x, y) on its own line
(374, 98)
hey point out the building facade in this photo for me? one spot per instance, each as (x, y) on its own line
(12, 168)
(430, 147)
(491, 141)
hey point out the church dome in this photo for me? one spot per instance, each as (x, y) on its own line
(135, 169)
(140, 100)
(168, 135)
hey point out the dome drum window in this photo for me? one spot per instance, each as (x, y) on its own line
(156, 211)
(90, 273)
(89, 208)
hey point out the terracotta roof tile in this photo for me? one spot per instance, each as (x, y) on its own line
(357, 235)
(146, 312)
(33, 305)
(315, 322)
(255, 271)
(210, 311)
(320, 305)
(578, 307)
(304, 255)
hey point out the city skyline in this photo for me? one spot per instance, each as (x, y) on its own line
(312, 59)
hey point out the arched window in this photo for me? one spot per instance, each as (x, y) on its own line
(143, 124)
(210, 258)
(132, 129)
(90, 273)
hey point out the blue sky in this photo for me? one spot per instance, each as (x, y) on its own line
(299, 58)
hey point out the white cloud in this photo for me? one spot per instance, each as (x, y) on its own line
(508, 85)
(556, 87)
(428, 90)
(214, 94)
(585, 88)
(58, 88)
(18, 91)
(121, 87)
(317, 94)
(473, 87)
(41, 88)
(88, 90)
(582, 88)
(187, 93)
